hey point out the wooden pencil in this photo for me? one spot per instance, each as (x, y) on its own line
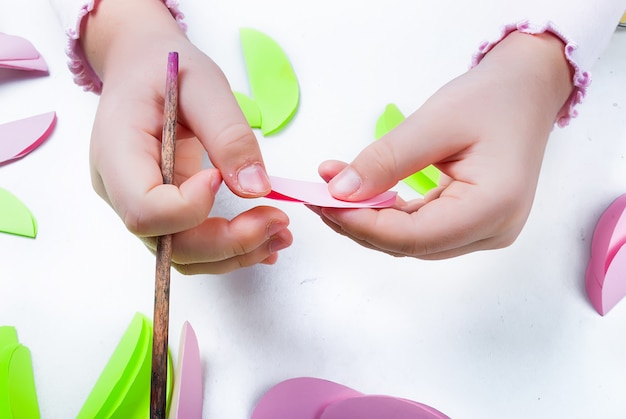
(158, 390)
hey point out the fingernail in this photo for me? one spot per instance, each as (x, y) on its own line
(278, 243)
(216, 182)
(253, 179)
(274, 228)
(346, 183)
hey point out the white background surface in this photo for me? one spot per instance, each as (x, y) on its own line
(496, 334)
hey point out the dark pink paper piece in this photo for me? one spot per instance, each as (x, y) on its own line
(314, 398)
(317, 194)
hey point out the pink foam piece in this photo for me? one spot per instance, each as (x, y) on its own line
(187, 396)
(19, 53)
(317, 194)
(300, 398)
(605, 279)
(377, 407)
(18, 138)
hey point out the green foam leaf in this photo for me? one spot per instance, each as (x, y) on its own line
(18, 395)
(15, 217)
(123, 388)
(8, 337)
(273, 82)
(250, 109)
(422, 181)
(22, 391)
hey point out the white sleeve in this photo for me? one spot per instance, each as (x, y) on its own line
(71, 14)
(585, 26)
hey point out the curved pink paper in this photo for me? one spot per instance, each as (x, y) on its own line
(314, 398)
(377, 407)
(18, 138)
(317, 194)
(19, 53)
(301, 398)
(187, 398)
(605, 279)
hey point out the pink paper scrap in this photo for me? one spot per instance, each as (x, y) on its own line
(315, 398)
(20, 54)
(20, 137)
(317, 194)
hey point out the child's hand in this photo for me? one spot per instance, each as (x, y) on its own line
(486, 131)
(127, 44)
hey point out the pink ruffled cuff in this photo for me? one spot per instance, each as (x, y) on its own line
(84, 75)
(581, 79)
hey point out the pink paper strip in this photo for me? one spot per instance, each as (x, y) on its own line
(187, 398)
(18, 138)
(317, 194)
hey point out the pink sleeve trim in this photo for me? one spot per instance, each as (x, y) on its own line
(581, 79)
(84, 75)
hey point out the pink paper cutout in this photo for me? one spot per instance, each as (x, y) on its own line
(18, 138)
(317, 194)
(302, 398)
(376, 407)
(314, 398)
(20, 54)
(605, 278)
(187, 397)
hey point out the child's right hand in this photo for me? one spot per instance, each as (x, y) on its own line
(486, 131)
(127, 44)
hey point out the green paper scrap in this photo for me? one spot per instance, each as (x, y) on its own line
(15, 217)
(273, 82)
(422, 181)
(250, 109)
(8, 337)
(18, 394)
(123, 388)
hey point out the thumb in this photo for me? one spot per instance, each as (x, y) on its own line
(414, 144)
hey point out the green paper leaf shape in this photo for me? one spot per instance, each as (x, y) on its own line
(8, 337)
(15, 217)
(250, 109)
(273, 82)
(18, 394)
(422, 181)
(123, 388)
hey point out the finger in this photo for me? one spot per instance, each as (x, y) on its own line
(462, 218)
(219, 239)
(424, 138)
(131, 181)
(208, 107)
(266, 254)
(219, 245)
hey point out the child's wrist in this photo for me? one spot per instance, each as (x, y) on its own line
(110, 30)
(537, 64)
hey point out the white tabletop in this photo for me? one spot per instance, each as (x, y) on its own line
(496, 334)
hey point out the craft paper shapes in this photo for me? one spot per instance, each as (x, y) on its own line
(317, 194)
(314, 398)
(250, 109)
(20, 54)
(273, 83)
(605, 279)
(188, 394)
(15, 217)
(422, 181)
(123, 388)
(18, 395)
(20, 137)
